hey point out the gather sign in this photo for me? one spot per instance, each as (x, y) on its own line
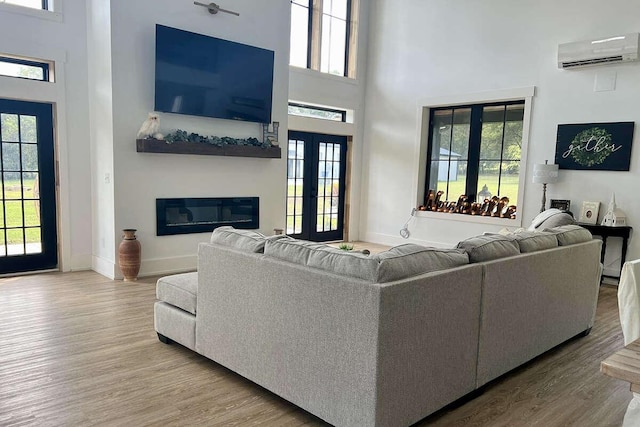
(595, 146)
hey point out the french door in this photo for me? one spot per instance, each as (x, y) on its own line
(28, 236)
(316, 174)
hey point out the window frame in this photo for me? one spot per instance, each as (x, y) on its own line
(51, 10)
(314, 38)
(491, 97)
(475, 144)
(45, 66)
(342, 113)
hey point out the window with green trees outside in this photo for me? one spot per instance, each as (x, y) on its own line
(475, 150)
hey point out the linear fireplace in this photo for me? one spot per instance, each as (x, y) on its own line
(199, 215)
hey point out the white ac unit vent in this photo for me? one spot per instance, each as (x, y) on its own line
(595, 52)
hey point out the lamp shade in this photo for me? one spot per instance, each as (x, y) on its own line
(545, 173)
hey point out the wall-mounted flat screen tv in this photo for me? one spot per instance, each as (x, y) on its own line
(207, 76)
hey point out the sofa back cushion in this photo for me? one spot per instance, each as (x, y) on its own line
(411, 260)
(532, 241)
(244, 240)
(323, 257)
(488, 247)
(570, 234)
(395, 264)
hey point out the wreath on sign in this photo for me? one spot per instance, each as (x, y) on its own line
(592, 156)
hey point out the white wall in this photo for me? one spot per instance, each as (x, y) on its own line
(442, 48)
(139, 178)
(60, 38)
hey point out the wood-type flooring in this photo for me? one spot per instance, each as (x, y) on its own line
(77, 349)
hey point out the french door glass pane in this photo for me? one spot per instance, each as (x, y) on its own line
(9, 125)
(328, 186)
(28, 131)
(295, 168)
(15, 241)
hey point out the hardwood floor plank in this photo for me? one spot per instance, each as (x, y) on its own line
(78, 349)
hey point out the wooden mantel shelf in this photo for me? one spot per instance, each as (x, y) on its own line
(184, 147)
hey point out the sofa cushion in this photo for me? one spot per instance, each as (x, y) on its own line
(488, 247)
(290, 249)
(244, 240)
(179, 290)
(323, 257)
(570, 234)
(411, 260)
(347, 263)
(532, 241)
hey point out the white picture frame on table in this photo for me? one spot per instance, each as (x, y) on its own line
(589, 212)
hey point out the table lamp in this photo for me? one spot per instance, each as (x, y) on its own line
(545, 174)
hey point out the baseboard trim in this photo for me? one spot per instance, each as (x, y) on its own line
(163, 266)
(104, 266)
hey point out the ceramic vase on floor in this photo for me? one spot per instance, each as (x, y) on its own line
(129, 255)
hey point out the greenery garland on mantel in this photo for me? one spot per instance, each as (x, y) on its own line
(218, 141)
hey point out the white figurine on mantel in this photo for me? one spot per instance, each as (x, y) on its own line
(614, 216)
(149, 128)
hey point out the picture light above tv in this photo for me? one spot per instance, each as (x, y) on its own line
(206, 76)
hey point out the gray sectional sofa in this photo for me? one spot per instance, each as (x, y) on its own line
(386, 339)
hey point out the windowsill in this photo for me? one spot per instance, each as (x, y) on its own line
(504, 222)
(36, 13)
(317, 74)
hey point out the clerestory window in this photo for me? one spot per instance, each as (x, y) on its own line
(25, 69)
(323, 36)
(33, 4)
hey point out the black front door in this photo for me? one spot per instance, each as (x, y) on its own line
(316, 172)
(28, 236)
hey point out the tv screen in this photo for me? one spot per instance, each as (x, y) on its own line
(207, 76)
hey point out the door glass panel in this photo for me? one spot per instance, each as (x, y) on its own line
(9, 125)
(295, 181)
(29, 157)
(34, 245)
(10, 156)
(12, 185)
(28, 131)
(328, 186)
(13, 213)
(15, 241)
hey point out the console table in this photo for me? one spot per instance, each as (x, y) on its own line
(606, 232)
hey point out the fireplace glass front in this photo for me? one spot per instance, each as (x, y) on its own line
(200, 215)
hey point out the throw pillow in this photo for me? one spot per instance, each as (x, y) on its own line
(570, 234)
(488, 247)
(411, 260)
(532, 241)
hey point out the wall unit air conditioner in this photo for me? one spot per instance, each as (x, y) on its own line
(609, 50)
